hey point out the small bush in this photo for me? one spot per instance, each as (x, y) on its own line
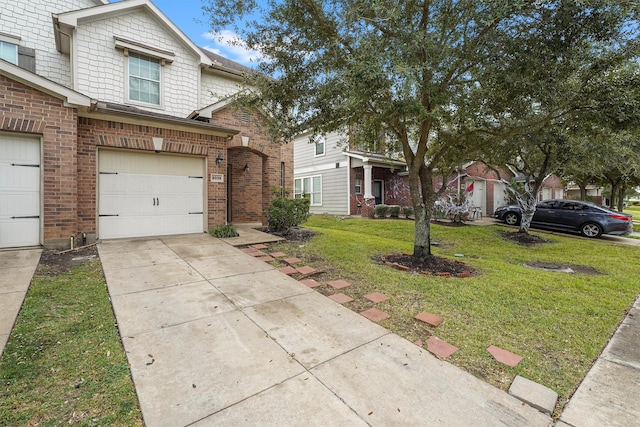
(286, 213)
(394, 211)
(224, 231)
(407, 211)
(381, 210)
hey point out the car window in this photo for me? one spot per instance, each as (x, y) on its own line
(546, 205)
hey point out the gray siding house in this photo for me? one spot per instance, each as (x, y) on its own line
(321, 171)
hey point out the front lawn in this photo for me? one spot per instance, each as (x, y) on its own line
(558, 322)
(64, 363)
(635, 211)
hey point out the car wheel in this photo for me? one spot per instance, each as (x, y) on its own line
(591, 229)
(512, 218)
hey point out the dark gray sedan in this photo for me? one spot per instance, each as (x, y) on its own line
(586, 218)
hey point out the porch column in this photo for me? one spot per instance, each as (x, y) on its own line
(368, 192)
(368, 210)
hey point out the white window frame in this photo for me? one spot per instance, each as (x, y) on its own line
(159, 81)
(321, 140)
(301, 190)
(7, 45)
(358, 186)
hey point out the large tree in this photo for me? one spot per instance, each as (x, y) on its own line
(417, 70)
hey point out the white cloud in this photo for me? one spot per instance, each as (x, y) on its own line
(228, 44)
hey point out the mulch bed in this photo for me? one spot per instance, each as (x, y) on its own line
(429, 265)
(524, 239)
(55, 262)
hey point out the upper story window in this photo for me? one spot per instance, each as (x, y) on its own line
(9, 52)
(144, 79)
(320, 146)
(12, 51)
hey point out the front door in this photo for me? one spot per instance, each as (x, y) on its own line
(378, 191)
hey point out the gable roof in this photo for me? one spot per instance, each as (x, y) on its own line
(226, 65)
(65, 22)
(26, 77)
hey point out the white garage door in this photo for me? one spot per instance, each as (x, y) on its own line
(150, 194)
(19, 191)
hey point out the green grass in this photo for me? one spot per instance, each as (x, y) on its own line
(64, 363)
(635, 211)
(559, 322)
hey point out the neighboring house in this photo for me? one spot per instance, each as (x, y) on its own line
(341, 180)
(594, 193)
(337, 179)
(115, 124)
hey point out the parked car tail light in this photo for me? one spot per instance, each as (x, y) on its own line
(620, 217)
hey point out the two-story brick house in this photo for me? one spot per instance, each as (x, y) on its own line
(115, 124)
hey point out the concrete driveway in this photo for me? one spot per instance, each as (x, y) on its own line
(217, 337)
(16, 270)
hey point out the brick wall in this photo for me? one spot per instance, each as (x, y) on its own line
(246, 186)
(250, 192)
(28, 111)
(94, 134)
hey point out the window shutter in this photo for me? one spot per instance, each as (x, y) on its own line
(27, 58)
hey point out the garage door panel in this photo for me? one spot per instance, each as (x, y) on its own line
(19, 191)
(179, 224)
(114, 227)
(19, 204)
(144, 194)
(19, 232)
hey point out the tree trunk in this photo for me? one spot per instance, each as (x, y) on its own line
(422, 239)
(527, 206)
(621, 191)
(583, 192)
(422, 199)
(614, 195)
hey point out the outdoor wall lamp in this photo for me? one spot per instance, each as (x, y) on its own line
(219, 159)
(246, 167)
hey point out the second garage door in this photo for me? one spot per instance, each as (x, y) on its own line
(19, 191)
(149, 194)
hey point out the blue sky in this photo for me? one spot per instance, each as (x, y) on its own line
(189, 17)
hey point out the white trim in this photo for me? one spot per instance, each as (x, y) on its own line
(73, 59)
(69, 96)
(318, 168)
(9, 38)
(144, 49)
(311, 178)
(128, 100)
(324, 147)
(348, 170)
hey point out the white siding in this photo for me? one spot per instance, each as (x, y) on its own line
(102, 69)
(334, 179)
(214, 88)
(31, 21)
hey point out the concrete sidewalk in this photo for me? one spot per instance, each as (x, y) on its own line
(608, 396)
(217, 337)
(16, 271)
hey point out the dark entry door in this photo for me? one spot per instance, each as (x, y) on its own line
(378, 191)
